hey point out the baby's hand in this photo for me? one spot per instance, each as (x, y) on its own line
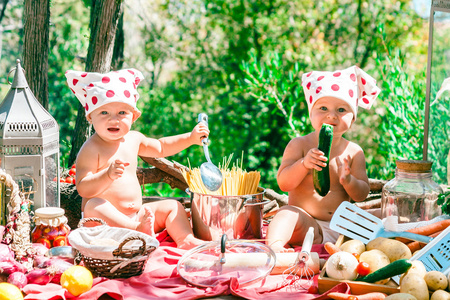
(116, 169)
(199, 132)
(344, 170)
(315, 159)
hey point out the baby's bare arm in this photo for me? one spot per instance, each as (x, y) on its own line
(354, 177)
(295, 166)
(171, 145)
(90, 182)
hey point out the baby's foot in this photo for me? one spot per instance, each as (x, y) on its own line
(189, 242)
(278, 247)
(147, 222)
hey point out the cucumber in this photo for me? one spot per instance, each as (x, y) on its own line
(321, 179)
(397, 267)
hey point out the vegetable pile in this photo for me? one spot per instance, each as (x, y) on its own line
(379, 261)
(45, 269)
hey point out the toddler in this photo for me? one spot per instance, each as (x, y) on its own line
(333, 98)
(107, 162)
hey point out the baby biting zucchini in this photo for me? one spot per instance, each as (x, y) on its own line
(321, 179)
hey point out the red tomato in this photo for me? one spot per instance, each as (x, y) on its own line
(54, 179)
(44, 242)
(60, 241)
(363, 268)
(313, 289)
(61, 180)
(69, 180)
(73, 166)
(72, 172)
(51, 234)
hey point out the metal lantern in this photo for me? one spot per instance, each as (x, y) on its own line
(29, 143)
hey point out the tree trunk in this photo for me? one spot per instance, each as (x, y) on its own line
(119, 45)
(105, 16)
(36, 15)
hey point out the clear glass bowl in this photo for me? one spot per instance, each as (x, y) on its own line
(213, 262)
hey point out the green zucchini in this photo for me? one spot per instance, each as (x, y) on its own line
(397, 267)
(321, 179)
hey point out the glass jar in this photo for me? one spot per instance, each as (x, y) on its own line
(412, 195)
(51, 227)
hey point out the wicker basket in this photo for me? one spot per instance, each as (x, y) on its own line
(124, 261)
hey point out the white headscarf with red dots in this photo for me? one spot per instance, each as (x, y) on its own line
(352, 85)
(95, 90)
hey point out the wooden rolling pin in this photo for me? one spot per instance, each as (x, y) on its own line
(242, 261)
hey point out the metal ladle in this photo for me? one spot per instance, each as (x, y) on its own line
(211, 175)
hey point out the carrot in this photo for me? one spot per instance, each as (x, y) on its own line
(428, 229)
(367, 296)
(415, 245)
(331, 248)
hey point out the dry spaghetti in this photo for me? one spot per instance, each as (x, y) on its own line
(236, 181)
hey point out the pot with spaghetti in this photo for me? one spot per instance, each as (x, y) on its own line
(235, 209)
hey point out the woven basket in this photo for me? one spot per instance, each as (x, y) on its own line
(125, 261)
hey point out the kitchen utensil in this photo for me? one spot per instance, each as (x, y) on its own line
(300, 269)
(356, 223)
(239, 217)
(435, 255)
(213, 262)
(211, 175)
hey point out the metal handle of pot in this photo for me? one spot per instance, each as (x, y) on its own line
(255, 203)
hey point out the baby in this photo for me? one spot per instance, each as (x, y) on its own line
(107, 162)
(333, 98)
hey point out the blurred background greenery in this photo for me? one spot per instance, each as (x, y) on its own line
(241, 63)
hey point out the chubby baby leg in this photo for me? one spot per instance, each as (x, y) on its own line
(289, 226)
(170, 214)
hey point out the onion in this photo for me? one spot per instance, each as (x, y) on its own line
(6, 254)
(342, 266)
(40, 249)
(57, 266)
(39, 261)
(39, 276)
(9, 267)
(18, 279)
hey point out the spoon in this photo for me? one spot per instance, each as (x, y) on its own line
(211, 175)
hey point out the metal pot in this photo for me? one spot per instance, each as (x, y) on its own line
(239, 217)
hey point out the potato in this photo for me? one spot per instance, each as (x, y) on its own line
(436, 280)
(376, 260)
(416, 268)
(440, 295)
(353, 246)
(400, 296)
(394, 249)
(415, 285)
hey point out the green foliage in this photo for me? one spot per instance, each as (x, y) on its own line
(400, 110)
(241, 62)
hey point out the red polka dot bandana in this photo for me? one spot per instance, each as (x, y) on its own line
(95, 90)
(352, 85)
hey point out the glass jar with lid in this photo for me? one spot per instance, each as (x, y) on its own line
(412, 195)
(51, 228)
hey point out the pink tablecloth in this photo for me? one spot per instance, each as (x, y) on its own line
(160, 280)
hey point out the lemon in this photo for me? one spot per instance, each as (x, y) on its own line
(77, 280)
(9, 291)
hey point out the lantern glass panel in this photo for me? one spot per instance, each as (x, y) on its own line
(51, 180)
(25, 179)
(439, 113)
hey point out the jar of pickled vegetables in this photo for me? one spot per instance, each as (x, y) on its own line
(51, 227)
